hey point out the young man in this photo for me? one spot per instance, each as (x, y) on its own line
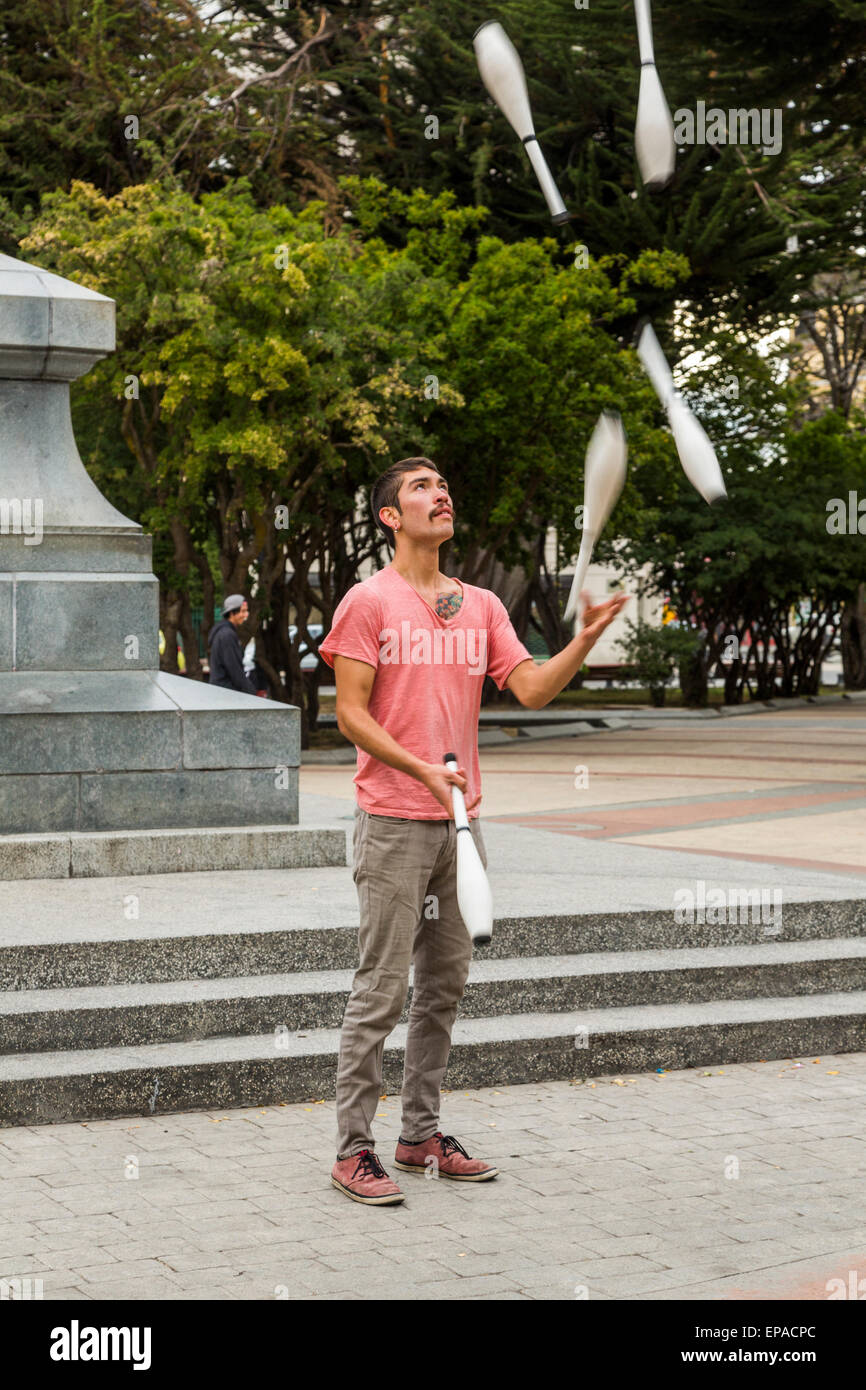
(410, 649)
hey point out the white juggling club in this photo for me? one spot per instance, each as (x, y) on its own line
(473, 890)
(502, 74)
(697, 455)
(654, 130)
(603, 479)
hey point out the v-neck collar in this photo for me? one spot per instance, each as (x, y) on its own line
(426, 604)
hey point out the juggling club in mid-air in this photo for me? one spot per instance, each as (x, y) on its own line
(603, 479)
(502, 74)
(697, 455)
(654, 130)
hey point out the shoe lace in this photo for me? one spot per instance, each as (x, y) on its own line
(450, 1145)
(369, 1165)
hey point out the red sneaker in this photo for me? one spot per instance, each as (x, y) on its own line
(451, 1159)
(362, 1177)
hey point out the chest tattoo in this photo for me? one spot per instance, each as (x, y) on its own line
(448, 604)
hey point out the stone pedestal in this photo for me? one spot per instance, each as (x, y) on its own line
(93, 737)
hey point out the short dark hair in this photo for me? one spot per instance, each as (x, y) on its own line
(387, 486)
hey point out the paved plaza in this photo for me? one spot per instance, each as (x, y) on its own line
(784, 786)
(720, 1182)
(745, 1182)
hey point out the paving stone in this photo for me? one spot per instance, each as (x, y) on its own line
(122, 1270)
(156, 1248)
(145, 1287)
(73, 1229)
(56, 1274)
(546, 1293)
(240, 1235)
(417, 1257)
(207, 1211)
(629, 1286)
(509, 1297)
(186, 1260)
(83, 1256)
(210, 1292)
(469, 1288)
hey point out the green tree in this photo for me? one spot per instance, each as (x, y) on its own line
(656, 653)
(110, 93)
(759, 575)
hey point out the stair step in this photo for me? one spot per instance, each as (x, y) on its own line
(219, 1073)
(162, 946)
(88, 854)
(127, 1015)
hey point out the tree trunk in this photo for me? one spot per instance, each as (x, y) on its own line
(311, 690)
(185, 557)
(693, 680)
(170, 608)
(853, 641)
(207, 586)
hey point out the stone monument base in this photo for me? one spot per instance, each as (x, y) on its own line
(91, 751)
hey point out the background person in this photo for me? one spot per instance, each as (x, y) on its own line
(226, 649)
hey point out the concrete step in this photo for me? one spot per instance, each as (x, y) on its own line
(46, 1087)
(112, 853)
(179, 1011)
(103, 949)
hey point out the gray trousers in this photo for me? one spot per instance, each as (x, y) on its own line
(398, 865)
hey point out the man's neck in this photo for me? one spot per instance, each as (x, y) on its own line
(420, 569)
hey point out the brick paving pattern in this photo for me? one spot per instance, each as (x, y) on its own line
(743, 1183)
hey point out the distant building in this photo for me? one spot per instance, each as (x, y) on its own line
(602, 581)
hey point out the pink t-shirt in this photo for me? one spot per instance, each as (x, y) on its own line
(427, 689)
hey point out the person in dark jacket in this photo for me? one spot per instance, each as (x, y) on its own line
(226, 650)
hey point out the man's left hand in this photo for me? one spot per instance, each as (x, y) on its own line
(599, 616)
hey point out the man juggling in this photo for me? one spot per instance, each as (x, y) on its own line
(410, 648)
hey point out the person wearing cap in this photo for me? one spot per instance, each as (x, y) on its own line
(226, 649)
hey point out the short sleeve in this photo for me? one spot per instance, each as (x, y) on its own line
(355, 629)
(504, 648)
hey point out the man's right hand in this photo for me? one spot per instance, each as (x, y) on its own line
(439, 779)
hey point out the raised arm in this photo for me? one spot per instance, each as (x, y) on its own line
(535, 686)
